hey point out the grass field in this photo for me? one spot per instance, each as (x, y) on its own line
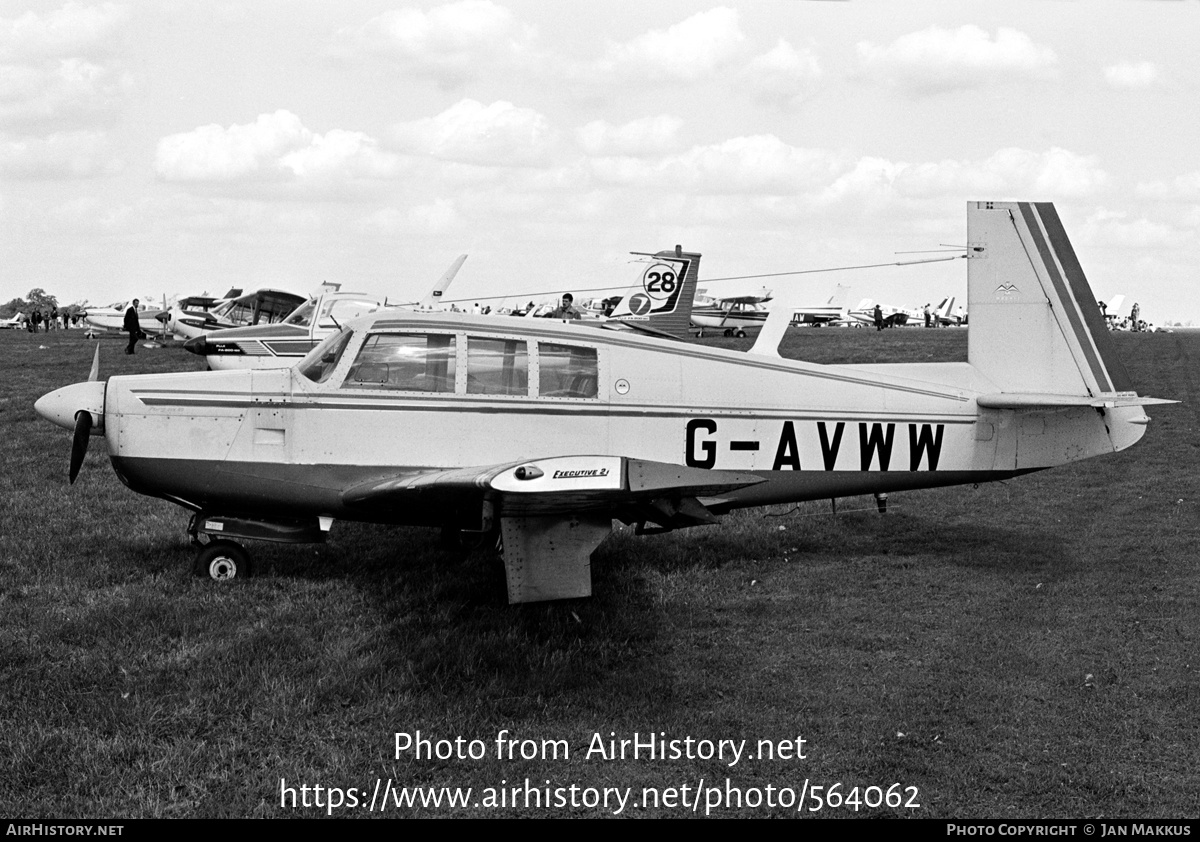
(1019, 649)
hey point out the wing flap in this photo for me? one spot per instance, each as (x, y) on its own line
(1044, 400)
(555, 485)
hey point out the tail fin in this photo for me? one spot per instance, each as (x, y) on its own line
(1113, 311)
(662, 298)
(1035, 325)
(838, 299)
(944, 310)
(434, 296)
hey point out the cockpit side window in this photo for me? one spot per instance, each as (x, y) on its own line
(302, 315)
(567, 371)
(408, 362)
(497, 366)
(323, 359)
(342, 310)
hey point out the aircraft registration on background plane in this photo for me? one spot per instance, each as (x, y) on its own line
(542, 432)
(283, 344)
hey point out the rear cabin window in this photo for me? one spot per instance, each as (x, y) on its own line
(566, 371)
(497, 366)
(407, 362)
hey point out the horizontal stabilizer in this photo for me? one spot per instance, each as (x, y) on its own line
(1039, 400)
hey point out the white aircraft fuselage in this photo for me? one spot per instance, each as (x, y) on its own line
(549, 430)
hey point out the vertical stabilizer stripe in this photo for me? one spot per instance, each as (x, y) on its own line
(1121, 381)
(1066, 301)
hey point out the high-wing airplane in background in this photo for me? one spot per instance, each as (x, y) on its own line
(283, 344)
(262, 306)
(542, 432)
(733, 315)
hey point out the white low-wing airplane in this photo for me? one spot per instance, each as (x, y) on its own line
(546, 431)
(864, 313)
(283, 344)
(113, 317)
(833, 311)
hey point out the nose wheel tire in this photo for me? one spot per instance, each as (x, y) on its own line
(223, 561)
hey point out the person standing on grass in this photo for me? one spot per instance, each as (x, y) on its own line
(134, 328)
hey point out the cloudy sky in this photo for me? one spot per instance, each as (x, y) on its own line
(178, 146)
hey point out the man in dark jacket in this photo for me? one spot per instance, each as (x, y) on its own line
(133, 327)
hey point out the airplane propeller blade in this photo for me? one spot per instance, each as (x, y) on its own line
(79, 442)
(94, 374)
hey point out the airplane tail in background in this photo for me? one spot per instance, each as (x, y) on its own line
(661, 301)
(942, 314)
(434, 296)
(1035, 326)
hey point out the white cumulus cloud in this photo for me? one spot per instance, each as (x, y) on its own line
(500, 134)
(60, 155)
(274, 147)
(783, 76)
(687, 51)
(1184, 188)
(1008, 173)
(937, 59)
(639, 138)
(759, 164)
(448, 44)
(73, 30)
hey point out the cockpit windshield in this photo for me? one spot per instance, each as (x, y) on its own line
(302, 316)
(323, 359)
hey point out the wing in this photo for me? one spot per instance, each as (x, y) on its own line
(563, 486)
(554, 512)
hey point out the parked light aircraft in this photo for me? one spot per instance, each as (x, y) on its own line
(263, 306)
(17, 322)
(545, 431)
(284, 344)
(833, 311)
(113, 317)
(864, 313)
(733, 316)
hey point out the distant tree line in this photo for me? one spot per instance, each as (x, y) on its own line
(35, 299)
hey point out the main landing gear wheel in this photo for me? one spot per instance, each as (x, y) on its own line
(223, 561)
(740, 334)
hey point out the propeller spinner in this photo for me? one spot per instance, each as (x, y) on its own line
(79, 408)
